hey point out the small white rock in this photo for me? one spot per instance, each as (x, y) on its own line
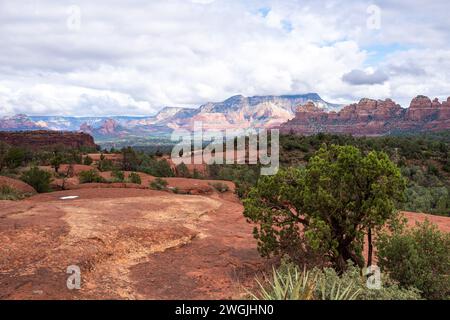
(69, 197)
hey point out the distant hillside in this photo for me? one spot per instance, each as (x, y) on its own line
(41, 138)
(237, 112)
(372, 118)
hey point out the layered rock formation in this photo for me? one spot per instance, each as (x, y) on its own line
(237, 112)
(372, 117)
(41, 138)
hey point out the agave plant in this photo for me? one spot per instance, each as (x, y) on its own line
(337, 291)
(288, 283)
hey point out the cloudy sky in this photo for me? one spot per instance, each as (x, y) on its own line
(114, 57)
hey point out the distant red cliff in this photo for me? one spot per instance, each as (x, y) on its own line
(372, 117)
(44, 138)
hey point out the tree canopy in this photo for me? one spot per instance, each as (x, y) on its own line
(331, 203)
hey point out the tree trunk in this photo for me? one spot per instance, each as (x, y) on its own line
(370, 251)
(345, 254)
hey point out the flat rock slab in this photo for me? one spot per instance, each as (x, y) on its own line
(128, 243)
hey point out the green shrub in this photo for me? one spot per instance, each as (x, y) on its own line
(135, 178)
(118, 176)
(105, 164)
(38, 179)
(175, 190)
(419, 257)
(159, 184)
(389, 290)
(156, 168)
(221, 187)
(288, 282)
(88, 161)
(15, 157)
(196, 174)
(183, 171)
(90, 176)
(8, 193)
(130, 161)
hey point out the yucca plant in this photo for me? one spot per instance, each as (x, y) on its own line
(289, 284)
(336, 290)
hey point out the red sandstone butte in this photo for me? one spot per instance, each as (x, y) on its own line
(43, 138)
(371, 117)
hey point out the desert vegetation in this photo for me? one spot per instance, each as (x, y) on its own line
(289, 282)
(321, 214)
(330, 212)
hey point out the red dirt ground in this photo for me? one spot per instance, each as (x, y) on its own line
(132, 243)
(17, 185)
(129, 244)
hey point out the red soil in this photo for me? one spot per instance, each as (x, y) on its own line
(129, 244)
(17, 185)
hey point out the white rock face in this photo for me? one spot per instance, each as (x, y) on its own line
(237, 112)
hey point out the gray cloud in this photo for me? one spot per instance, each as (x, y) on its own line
(360, 77)
(134, 57)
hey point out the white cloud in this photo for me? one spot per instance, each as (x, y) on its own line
(135, 58)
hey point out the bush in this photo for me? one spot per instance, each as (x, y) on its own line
(183, 171)
(105, 164)
(38, 179)
(4, 149)
(87, 161)
(15, 157)
(289, 283)
(8, 193)
(419, 257)
(130, 161)
(135, 178)
(90, 176)
(159, 184)
(221, 187)
(118, 176)
(156, 168)
(196, 174)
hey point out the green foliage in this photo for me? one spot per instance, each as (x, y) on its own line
(158, 168)
(118, 176)
(57, 160)
(90, 176)
(15, 157)
(4, 148)
(130, 160)
(356, 278)
(423, 158)
(418, 257)
(334, 199)
(183, 171)
(135, 178)
(105, 164)
(196, 174)
(244, 177)
(159, 184)
(288, 282)
(39, 179)
(88, 161)
(8, 193)
(220, 186)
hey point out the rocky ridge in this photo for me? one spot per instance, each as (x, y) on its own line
(372, 118)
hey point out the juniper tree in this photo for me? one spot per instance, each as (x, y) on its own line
(340, 196)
